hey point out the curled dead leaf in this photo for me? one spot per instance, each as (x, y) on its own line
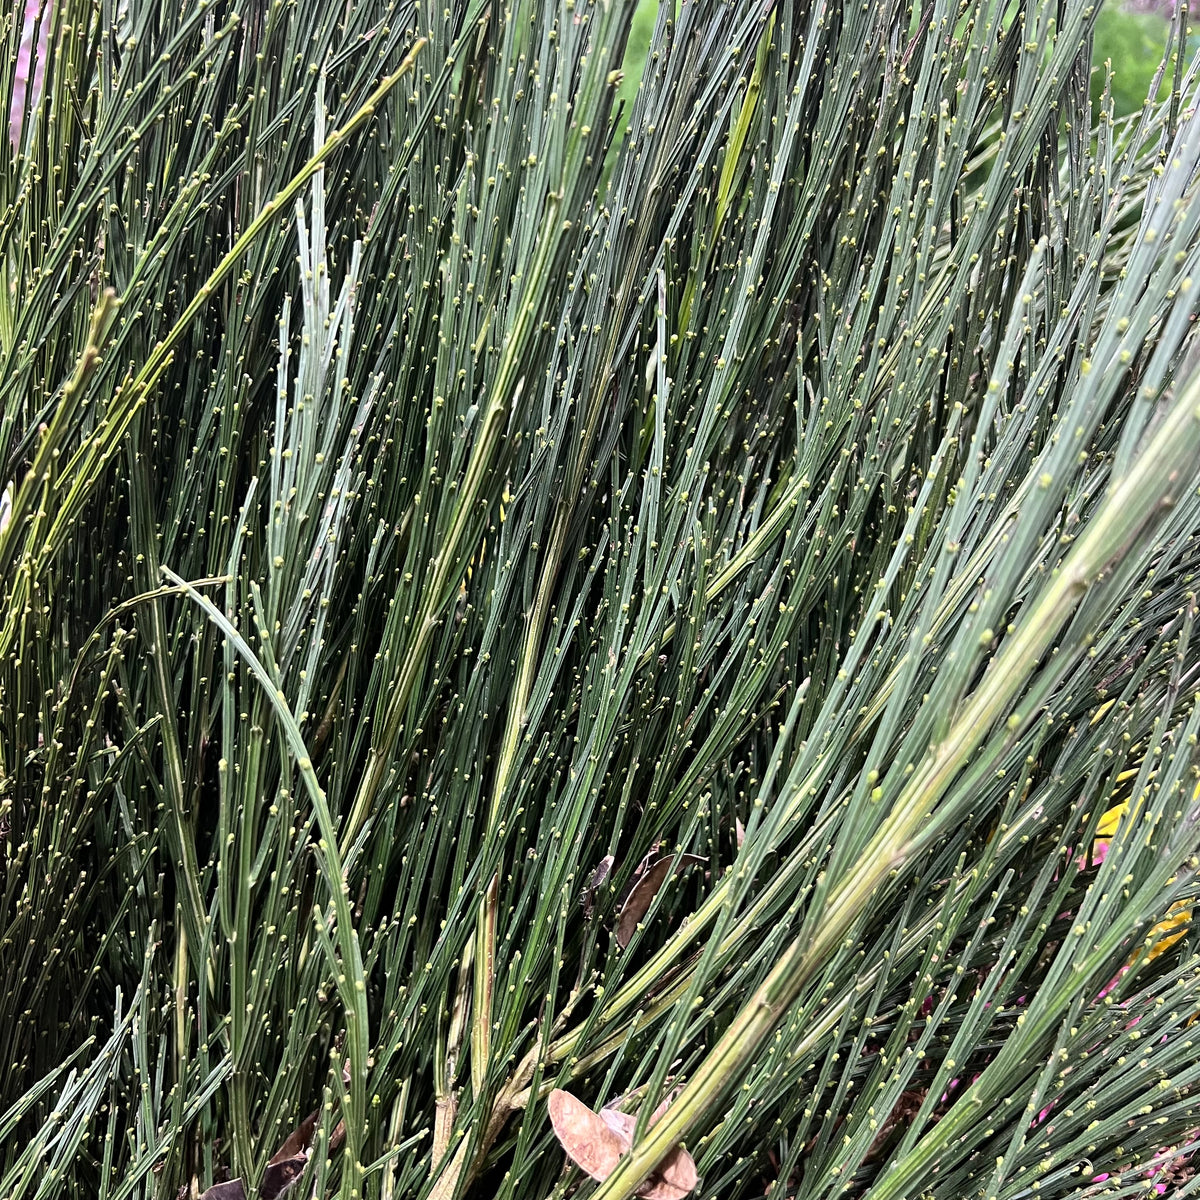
(622, 1124)
(638, 902)
(337, 1137)
(277, 1179)
(286, 1165)
(648, 860)
(675, 1176)
(598, 880)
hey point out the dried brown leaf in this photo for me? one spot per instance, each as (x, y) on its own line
(648, 860)
(622, 1124)
(675, 1177)
(601, 873)
(299, 1139)
(280, 1175)
(671, 1180)
(591, 1144)
(638, 902)
(596, 1141)
(901, 1116)
(286, 1164)
(230, 1190)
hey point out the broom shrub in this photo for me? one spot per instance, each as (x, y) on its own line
(678, 591)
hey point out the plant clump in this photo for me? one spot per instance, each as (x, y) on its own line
(573, 626)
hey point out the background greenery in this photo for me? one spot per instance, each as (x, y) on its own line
(1133, 41)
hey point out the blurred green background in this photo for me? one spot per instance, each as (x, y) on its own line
(1132, 38)
(1131, 34)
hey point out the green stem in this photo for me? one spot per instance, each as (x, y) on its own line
(349, 972)
(1130, 504)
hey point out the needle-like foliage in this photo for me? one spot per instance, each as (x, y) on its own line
(502, 591)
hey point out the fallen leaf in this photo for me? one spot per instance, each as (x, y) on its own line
(231, 1190)
(613, 1106)
(280, 1175)
(622, 1124)
(277, 1179)
(286, 1164)
(299, 1139)
(638, 902)
(601, 873)
(675, 1178)
(591, 1144)
(596, 1141)
(902, 1114)
(648, 859)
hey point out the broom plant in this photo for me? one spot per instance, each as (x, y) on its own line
(668, 582)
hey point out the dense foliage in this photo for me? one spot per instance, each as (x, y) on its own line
(438, 497)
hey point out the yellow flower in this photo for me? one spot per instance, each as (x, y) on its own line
(1178, 918)
(1175, 924)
